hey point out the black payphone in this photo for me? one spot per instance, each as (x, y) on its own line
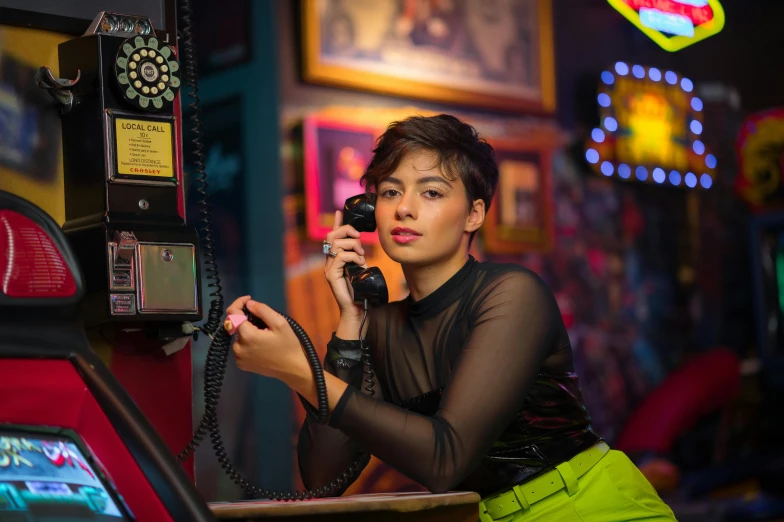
(122, 194)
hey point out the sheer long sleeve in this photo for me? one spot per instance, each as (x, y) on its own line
(324, 453)
(513, 324)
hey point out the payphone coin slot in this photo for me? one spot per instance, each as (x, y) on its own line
(121, 277)
(125, 249)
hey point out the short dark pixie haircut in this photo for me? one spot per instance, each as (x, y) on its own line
(460, 152)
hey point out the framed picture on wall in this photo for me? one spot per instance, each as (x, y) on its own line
(336, 154)
(483, 54)
(29, 127)
(520, 219)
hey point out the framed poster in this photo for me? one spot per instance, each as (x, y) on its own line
(29, 126)
(336, 154)
(520, 218)
(483, 54)
(31, 163)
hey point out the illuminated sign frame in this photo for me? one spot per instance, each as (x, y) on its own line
(679, 41)
(602, 151)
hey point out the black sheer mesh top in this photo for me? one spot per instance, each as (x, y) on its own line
(475, 387)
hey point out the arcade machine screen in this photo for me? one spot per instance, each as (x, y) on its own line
(772, 288)
(49, 475)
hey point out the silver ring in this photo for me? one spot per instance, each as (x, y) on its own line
(332, 254)
(326, 248)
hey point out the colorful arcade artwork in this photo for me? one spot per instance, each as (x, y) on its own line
(43, 475)
(673, 24)
(650, 130)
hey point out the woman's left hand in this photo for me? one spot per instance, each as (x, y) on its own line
(272, 352)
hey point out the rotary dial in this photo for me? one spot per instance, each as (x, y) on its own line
(147, 70)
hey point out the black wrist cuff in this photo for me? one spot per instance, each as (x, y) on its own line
(342, 353)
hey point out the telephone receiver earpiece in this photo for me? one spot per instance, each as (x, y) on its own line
(368, 283)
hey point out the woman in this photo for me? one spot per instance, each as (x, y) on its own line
(475, 386)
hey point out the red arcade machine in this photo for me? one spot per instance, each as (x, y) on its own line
(73, 445)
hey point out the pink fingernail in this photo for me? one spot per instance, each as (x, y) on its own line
(233, 321)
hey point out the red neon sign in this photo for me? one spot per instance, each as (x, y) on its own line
(697, 14)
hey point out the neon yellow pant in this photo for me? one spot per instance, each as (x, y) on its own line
(613, 490)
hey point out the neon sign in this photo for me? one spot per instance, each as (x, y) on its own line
(673, 24)
(651, 128)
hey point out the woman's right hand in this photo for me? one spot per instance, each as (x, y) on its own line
(345, 242)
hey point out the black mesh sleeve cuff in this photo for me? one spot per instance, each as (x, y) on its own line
(342, 353)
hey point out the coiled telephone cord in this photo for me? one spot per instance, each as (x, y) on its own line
(204, 222)
(214, 371)
(221, 341)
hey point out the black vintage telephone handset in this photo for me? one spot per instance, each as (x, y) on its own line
(368, 283)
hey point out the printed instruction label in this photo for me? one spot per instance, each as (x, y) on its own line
(144, 148)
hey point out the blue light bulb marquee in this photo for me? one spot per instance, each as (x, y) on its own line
(650, 129)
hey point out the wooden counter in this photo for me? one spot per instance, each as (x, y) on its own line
(388, 507)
